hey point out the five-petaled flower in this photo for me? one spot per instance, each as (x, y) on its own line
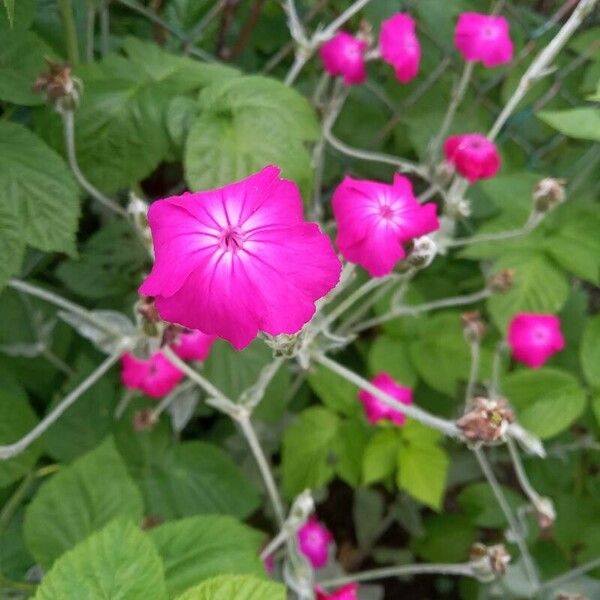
(344, 55)
(534, 338)
(374, 219)
(376, 410)
(473, 155)
(347, 592)
(314, 541)
(400, 46)
(154, 376)
(483, 38)
(193, 345)
(239, 259)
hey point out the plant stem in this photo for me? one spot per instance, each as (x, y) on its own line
(90, 25)
(167, 401)
(520, 472)
(572, 574)
(475, 348)
(69, 131)
(494, 389)
(464, 569)
(104, 27)
(11, 450)
(410, 410)
(9, 509)
(331, 30)
(70, 32)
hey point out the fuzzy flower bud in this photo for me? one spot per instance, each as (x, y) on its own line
(545, 513)
(548, 193)
(302, 508)
(473, 326)
(487, 421)
(489, 562)
(421, 252)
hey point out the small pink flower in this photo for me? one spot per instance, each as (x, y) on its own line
(374, 219)
(400, 46)
(314, 540)
(348, 592)
(473, 156)
(269, 564)
(534, 338)
(240, 259)
(193, 345)
(483, 38)
(344, 55)
(156, 376)
(376, 410)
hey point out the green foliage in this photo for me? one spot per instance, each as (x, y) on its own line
(583, 123)
(590, 352)
(335, 392)
(228, 587)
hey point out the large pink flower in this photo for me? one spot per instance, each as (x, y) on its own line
(483, 38)
(348, 592)
(156, 376)
(376, 410)
(400, 47)
(473, 155)
(314, 540)
(344, 55)
(374, 219)
(240, 259)
(534, 338)
(193, 345)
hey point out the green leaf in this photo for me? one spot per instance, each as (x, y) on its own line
(422, 472)
(17, 15)
(306, 451)
(596, 406)
(392, 356)
(9, 5)
(548, 401)
(85, 424)
(231, 587)
(380, 456)
(582, 123)
(16, 419)
(79, 500)
(590, 352)
(447, 538)
(117, 563)
(245, 124)
(15, 561)
(197, 548)
(478, 503)
(38, 197)
(538, 287)
(349, 446)
(334, 391)
(111, 262)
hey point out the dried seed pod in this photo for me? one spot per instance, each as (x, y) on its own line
(474, 326)
(489, 562)
(487, 421)
(548, 193)
(502, 281)
(58, 85)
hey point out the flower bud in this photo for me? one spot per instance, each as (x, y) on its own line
(488, 420)
(421, 252)
(473, 326)
(58, 86)
(458, 209)
(545, 513)
(143, 420)
(302, 508)
(489, 562)
(502, 281)
(548, 193)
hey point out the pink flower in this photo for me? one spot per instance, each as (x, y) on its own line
(534, 338)
(240, 259)
(269, 564)
(400, 46)
(485, 38)
(156, 376)
(344, 55)
(376, 410)
(314, 540)
(348, 592)
(193, 345)
(374, 219)
(473, 156)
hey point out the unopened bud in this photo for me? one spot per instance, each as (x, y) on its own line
(458, 209)
(58, 86)
(143, 420)
(545, 513)
(302, 508)
(489, 562)
(548, 193)
(473, 326)
(502, 281)
(421, 252)
(365, 32)
(529, 442)
(488, 421)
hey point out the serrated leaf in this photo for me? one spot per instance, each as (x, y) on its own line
(236, 587)
(245, 124)
(380, 456)
(38, 196)
(334, 391)
(581, 123)
(117, 563)
(306, 451)
(197, 548)
(538, 287)
(548, 401)
(79, 500)
(392, 356)
(590, 352)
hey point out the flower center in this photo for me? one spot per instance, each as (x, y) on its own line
(232, 239)
(489, 32)
(386, 212)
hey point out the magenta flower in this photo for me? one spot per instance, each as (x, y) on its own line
(534, 338)
(483, 38)
(238, 260)
(344, 55)
(473, 156)
(193, 345)
(376, 410)
(400, 47)
(155, 377)
(314, 540)
(269, 564)
(348, 592)
(374, 219)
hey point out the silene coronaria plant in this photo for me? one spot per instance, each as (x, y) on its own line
(300, 299)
